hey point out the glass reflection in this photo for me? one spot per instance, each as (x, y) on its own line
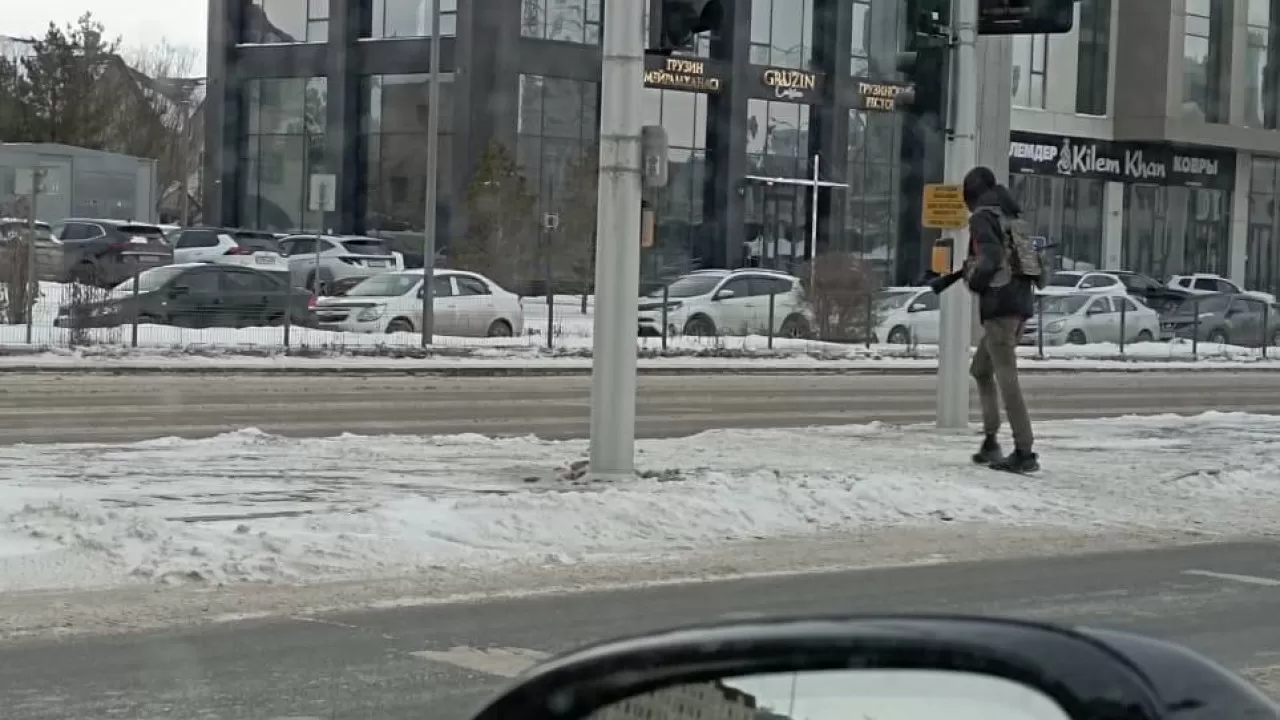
(1203, 51)
(777, 216)
(409, 18)
(1261, 73)
(557, 129)
(284, 146)
(575, 21)
(285, 21)
(393, 133)
(1067, 211)
(1262, 271)
(682, 240)
(1094, 58)
(841, 695)
(874, 174)
(782, 33)
(1030, 63)
(1175, 230)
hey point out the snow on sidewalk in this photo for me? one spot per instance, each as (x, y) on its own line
(251, 506)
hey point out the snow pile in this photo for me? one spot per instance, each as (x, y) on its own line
(249, 506)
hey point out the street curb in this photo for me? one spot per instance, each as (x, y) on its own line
(464, 371)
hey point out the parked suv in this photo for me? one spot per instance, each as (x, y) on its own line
(1242, 319)
(731, 302)
(105, 252)
(229, 246)
(338, 257)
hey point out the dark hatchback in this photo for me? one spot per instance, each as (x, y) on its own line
(196, 295)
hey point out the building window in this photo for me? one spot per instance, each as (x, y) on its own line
(408, 18)
(1093, 74)
(1176, 230)
(1069, 212)
(556, 128)
(575, 21)
(285, 21)
(680, 243)
(782, 33)
(1262, 269)
(283, 147)
(860, 41)
(874, 175)
(394, 117)
(1262, 66)
(777, 216)
(874, 42)
(1030, 60)
(1205, 52)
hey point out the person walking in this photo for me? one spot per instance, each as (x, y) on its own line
(1002, 270)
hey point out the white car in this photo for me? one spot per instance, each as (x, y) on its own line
(327, 258)
(907, 314)
(466, 304)
(1065, 282)
(1211, 284)
(1089, 317)
(222, 246)
(727, 302)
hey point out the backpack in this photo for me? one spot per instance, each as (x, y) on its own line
(1021, 258)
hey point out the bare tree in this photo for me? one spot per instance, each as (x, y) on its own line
(501, 237)
(840, 291)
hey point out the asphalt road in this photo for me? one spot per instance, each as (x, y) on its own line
(74, 407)
(440, 661)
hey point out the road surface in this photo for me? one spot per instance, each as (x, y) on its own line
(440, 661)
(75, 407)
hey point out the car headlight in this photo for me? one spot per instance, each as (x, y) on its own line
(1056, 326)
(371, 313)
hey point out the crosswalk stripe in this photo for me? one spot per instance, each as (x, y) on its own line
(500, 661)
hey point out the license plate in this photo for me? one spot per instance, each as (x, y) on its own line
(264, 260)
(377, 263)
(138, 240)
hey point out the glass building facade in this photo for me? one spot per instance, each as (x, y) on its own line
(300, 88)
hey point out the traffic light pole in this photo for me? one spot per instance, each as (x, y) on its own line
(617, 278)
(962, 154)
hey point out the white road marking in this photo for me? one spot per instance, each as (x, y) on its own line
(502, 661)
(1248, 579)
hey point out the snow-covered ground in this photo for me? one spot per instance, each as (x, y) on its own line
(571, 339)
(248, 506)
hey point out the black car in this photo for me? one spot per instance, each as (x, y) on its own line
(104, 252)
(196, 295)
(1155, 294)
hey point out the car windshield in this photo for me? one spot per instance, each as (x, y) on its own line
(151, 280)
(257, 242)
(1064, 280)
(366, 247)
(890, 300)
(388, 285)
(690, 286)
(1063, 304)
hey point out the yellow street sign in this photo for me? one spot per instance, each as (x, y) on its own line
(944, 207)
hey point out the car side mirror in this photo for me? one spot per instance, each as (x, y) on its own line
(917, 307)
(725, 295)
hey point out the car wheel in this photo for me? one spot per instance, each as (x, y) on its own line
(1145, 336)
(796, 327)
(275, 321)
(399, 325)
(1076, 337)
(899, 336)
(500, 328)
(700, 326)
(1218, 337)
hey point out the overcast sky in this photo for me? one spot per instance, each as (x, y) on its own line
(136, 22)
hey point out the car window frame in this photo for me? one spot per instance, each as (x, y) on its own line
(458, 284)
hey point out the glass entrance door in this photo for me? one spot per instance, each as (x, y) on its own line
(777, 226)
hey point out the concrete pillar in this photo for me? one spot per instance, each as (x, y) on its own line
(1238, 247)
(1113, 227)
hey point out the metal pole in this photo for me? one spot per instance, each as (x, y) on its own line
(184, 163)
(957, 305)
(29, 293)
(433, 156)
(813, 224)
(613, 372)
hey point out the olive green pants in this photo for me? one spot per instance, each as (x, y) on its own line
(995, 368)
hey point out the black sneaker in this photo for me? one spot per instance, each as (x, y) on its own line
(989, 452)
(1019, 461)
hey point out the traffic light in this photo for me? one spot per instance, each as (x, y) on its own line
(1025, 17)
(682, 19)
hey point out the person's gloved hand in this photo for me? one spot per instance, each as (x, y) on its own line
(938, 285)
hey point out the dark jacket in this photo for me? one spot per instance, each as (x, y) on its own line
(987, 250)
